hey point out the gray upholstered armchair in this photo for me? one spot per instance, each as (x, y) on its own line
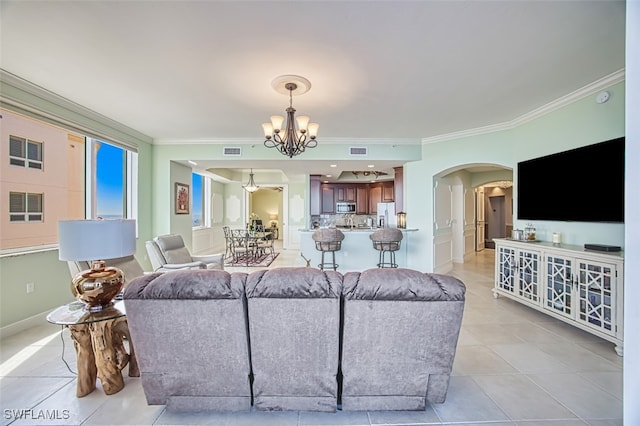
(168, 253)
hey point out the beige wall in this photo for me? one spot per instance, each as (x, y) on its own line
(61, 180)
(266, 202)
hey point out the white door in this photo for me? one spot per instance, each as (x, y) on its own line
(443, 227)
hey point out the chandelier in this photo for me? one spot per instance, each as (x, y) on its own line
(251, 185)
(297, 134)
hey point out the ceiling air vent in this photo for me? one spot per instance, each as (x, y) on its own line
(357, 150)
(232, 151)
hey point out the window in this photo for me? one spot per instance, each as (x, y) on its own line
(25, 207)
(25, 153)
(110, 181)
(197, 192)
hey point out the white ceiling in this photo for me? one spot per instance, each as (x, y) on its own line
(183, 70)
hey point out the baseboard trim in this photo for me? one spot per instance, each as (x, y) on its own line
(22, 325)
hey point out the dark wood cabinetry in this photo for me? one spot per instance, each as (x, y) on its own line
(398, 188)
(345, 193)
(387, 192)
(375, 197)
(314, 195)
(362, 200)
(328, 199)
(365, 195)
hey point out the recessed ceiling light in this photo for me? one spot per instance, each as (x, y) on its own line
(193, 162)
(328, 175)
(371, 166)
(333, 165)
(326, 181)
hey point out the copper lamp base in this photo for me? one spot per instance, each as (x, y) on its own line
(97, 287)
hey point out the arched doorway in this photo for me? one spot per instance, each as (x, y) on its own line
(460, 220)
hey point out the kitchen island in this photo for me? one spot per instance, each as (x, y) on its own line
(357, 252)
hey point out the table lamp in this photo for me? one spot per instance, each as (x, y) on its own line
(273, 218)
(92, 241)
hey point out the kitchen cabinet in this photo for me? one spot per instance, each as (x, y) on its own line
(345, 193)
(398, 188)
(375, 197)
(328, 203)
(314, 195)
(387, 192)
(362, 199)
(581, 287)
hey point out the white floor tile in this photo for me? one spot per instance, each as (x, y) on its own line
(574, 377)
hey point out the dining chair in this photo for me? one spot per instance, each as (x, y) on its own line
(241, 247)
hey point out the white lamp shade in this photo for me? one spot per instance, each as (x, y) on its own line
(96, 239)
(268, 129)
(313, 129)
(303, 122)
(276, 121)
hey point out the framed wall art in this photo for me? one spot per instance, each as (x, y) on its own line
(182, 198)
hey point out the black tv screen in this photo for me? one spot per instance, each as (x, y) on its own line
(585, 184)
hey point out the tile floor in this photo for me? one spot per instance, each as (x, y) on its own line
(514, 366)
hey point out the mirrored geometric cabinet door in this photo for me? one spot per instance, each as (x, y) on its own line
(529, 267)
(594, 284)
(506, 268)
(559, 284)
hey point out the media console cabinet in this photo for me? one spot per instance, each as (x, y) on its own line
(581, 287)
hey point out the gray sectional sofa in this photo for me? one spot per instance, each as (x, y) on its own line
(295, 338)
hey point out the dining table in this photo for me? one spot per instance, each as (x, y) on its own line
(248, 240)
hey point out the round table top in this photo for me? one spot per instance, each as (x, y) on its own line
(75, 313)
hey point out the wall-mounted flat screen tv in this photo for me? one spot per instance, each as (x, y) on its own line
(585, 184)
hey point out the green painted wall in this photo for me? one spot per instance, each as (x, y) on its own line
(581, 123)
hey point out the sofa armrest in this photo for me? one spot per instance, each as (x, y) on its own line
(210, 258)
(176, 266)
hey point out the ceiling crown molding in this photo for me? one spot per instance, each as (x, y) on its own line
(25, 97)
(258, 141)
(588, 90)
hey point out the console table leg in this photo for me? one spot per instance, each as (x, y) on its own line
(86, 363)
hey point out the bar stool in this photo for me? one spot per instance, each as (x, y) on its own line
(386, 240)
(328, 240)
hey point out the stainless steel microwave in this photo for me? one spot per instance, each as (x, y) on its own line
(345, 207)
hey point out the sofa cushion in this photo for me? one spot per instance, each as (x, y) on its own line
(294, 283)
(401, 284)
(187, 284)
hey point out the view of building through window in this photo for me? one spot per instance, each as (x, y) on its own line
(54, 174)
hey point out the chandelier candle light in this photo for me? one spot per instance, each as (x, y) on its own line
(297, 134)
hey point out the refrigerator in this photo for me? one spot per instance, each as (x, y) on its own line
(387, 215)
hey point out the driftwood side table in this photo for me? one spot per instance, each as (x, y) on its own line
(99, 341)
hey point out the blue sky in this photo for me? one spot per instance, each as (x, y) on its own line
(110, 181)
(196, 198)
